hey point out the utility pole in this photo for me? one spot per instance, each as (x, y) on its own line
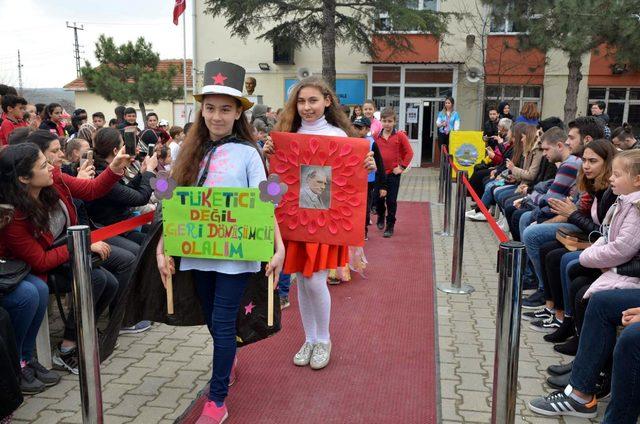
(76, 45)
(20, 65)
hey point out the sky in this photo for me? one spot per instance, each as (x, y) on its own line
(38, 29)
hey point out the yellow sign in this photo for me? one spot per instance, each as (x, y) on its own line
(466, 148)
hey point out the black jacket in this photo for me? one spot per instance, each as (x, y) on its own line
(116, 205)
(547, 172)
(490, 128)
(606, 198)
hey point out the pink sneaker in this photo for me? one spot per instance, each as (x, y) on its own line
(211, 414)
(234, 375)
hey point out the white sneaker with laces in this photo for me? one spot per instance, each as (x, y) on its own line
(478, 216)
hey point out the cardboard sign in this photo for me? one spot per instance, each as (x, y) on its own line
(327, 195)
(466, 148)
(218, 223)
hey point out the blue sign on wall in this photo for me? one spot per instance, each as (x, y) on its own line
(349, 91)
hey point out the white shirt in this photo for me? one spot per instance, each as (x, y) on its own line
(233, 165)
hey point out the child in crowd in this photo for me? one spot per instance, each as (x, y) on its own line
(260, 132)
(164, 158)
(98, 120)
(53, 120)
(619, 242)
(396, 154)
(177, 136)
(376, 180)
(313, 108)
(368, 109)
(14, 111)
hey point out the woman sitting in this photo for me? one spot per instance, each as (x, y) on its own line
(43, 200)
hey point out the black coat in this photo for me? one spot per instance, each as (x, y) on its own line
(116, 205)
(606, 198)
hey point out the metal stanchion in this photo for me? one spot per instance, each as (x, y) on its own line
(511, 261)
(79, 243)
(456, 286)
(441, 177)
(446, 226)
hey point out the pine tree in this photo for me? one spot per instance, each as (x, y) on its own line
(575, 27)
(297, 23)
(128, 74)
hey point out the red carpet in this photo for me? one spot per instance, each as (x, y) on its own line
(383, 367)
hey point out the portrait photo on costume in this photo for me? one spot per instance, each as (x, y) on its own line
(315, 187)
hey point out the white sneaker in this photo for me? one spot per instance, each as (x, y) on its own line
(503, 224)
(321, 355)
(303, 357)
(478, 216)
(470, 213)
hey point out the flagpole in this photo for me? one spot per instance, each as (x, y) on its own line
(184, 63)
(194, 74)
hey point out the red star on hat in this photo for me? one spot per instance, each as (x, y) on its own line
(219, 79)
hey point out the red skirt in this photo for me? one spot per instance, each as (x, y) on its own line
(308, 258)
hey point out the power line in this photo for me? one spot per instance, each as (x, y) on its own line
(76, 45)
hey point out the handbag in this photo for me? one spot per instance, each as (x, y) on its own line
(12, 271)
(572, 240)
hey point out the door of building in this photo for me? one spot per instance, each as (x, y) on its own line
(413, 120)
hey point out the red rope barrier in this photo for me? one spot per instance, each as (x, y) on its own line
(502, 237)
(120, 227)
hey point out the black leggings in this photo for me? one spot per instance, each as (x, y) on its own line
(577, 289)
(477, 180)
(550, 255)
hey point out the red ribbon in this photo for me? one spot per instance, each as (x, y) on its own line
(120, 227)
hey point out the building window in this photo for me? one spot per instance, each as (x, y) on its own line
(386, 97)
(384, 24)
(623, 105)
(501, 24)
(516, 95)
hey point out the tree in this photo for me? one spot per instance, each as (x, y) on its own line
(129, 74)
(575, 27)
(296, 23)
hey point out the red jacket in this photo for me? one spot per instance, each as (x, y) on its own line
(20, 239)
(7, 126)
(396, 150)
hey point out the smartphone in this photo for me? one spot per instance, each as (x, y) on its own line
(130, 143)
(151, 149)
(86, 156)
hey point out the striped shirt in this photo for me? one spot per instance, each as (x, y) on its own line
(564, 180)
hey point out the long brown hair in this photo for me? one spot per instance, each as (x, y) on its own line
(517, 131)
(290, 120)
(530, 111)
(606, 150)
(193, 148)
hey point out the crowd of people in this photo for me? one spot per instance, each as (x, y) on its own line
(59, 169)
(571, 193)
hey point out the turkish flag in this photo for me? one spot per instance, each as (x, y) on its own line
(178, 10)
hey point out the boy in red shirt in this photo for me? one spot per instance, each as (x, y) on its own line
(13, 108)
(396, 154)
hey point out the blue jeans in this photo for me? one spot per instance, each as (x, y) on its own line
(568, 261)
(504, 193)
(284, 284)
(597, 343)
(26, 305)
(624, 406)
(487, 196)
(534, 236)
(220, 295)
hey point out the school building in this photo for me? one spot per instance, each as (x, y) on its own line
(477, 56)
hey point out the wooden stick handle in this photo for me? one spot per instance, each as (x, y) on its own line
(169, 285)
(270, 301)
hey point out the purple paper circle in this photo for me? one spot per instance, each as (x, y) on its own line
(162, 185)
(273, 189)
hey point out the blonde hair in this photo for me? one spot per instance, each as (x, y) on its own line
(630, 161)
(290, 120)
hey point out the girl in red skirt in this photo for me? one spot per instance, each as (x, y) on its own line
(313, 108)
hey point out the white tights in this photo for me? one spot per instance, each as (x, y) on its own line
(314, 301)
